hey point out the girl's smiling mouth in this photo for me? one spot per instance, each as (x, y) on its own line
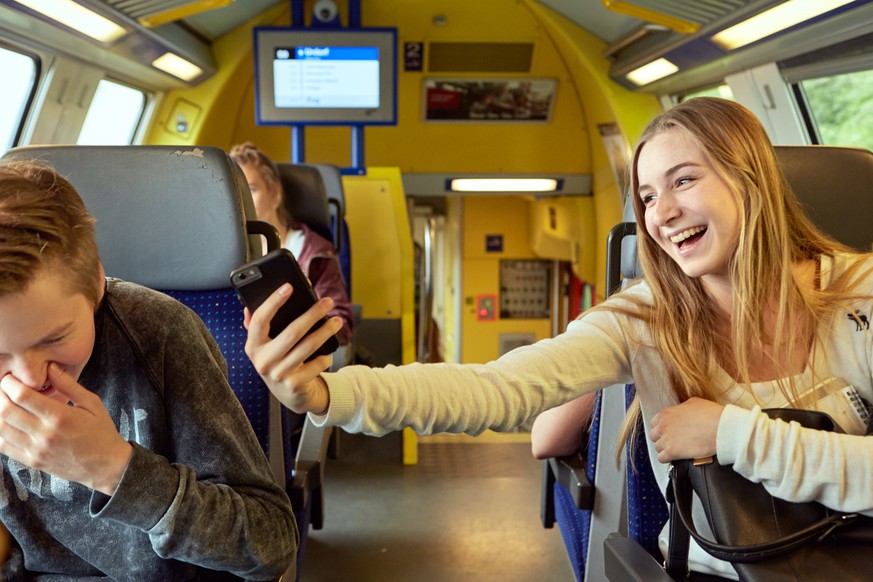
(688, 236)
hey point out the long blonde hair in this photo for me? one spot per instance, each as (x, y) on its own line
(774, 236)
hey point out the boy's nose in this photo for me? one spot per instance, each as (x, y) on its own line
(30, 370)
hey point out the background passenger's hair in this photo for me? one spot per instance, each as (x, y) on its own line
(249, 154)
(44, 223)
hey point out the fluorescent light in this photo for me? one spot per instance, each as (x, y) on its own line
(177, 66)
(651, 72)
(772, 21)
(78, 18)
(503, 184)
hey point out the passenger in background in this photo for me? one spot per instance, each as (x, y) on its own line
(557, 432)
(313, 252)
(123, 452)
(745, 305)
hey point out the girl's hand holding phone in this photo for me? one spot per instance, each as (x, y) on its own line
(282, 361)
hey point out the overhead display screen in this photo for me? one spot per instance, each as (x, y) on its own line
(323, 76)
(314, 77)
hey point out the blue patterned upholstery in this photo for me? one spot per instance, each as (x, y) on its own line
(221, 312)
(646, 509)
(575, 523)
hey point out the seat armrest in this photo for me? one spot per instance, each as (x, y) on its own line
(627, 561)
(547, 502)
(307, 478)
(570, 472)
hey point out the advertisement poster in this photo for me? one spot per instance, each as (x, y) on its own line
(487, 101)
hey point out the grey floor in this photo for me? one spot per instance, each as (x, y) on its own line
(465, 512)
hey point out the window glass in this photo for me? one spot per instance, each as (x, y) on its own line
(841, 107)
(114, 115)
(722, 91)
(19, 79)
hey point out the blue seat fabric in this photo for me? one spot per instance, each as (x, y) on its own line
(574, 523)
(647, 510)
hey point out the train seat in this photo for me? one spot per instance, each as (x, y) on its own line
(174, 219)
(336, 201)
(568, 495)
(314, 196)
(814, 174)
(585, 493)
(819, 175)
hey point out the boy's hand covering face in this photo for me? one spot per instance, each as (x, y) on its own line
(65, 431)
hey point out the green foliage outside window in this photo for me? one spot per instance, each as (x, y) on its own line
(842, 107)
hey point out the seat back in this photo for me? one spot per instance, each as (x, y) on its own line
(336, 201)
(305, 197)
(833, 183)
(175, 219)
(314, 195)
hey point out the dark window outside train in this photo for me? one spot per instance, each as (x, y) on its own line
(20, 72)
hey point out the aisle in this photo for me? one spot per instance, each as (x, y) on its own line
(465, 512)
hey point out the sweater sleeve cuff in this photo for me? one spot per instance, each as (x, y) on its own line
(342, 401)
(734, 430)
(144, 494)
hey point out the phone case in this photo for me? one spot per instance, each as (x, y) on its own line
(258, 279)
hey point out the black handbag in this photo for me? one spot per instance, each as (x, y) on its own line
(763, 537)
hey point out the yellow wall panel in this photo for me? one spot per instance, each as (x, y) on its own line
(492, 215)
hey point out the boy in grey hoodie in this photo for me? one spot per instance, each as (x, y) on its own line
(123, 452)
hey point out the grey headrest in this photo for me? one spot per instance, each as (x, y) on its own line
(333, 182)
(834, 186)
(170, 218)
(305, 195)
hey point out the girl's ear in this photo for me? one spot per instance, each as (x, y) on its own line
(278, 194)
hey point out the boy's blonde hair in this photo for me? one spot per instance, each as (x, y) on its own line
(44, 224)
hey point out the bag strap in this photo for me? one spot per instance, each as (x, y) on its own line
(679, 539)
(682, 491)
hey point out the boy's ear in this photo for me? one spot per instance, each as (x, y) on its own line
(101, 282)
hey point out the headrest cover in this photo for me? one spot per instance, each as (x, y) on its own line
(169, 218)
(305, 195)
(833, 185)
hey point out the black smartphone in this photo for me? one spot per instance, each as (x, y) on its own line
(258, 279)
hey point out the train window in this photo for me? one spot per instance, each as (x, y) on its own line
(840, 107)
(722, 91)
(113, 116)
(19, 79)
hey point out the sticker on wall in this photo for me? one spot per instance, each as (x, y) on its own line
(413, 56)
(493, 243)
